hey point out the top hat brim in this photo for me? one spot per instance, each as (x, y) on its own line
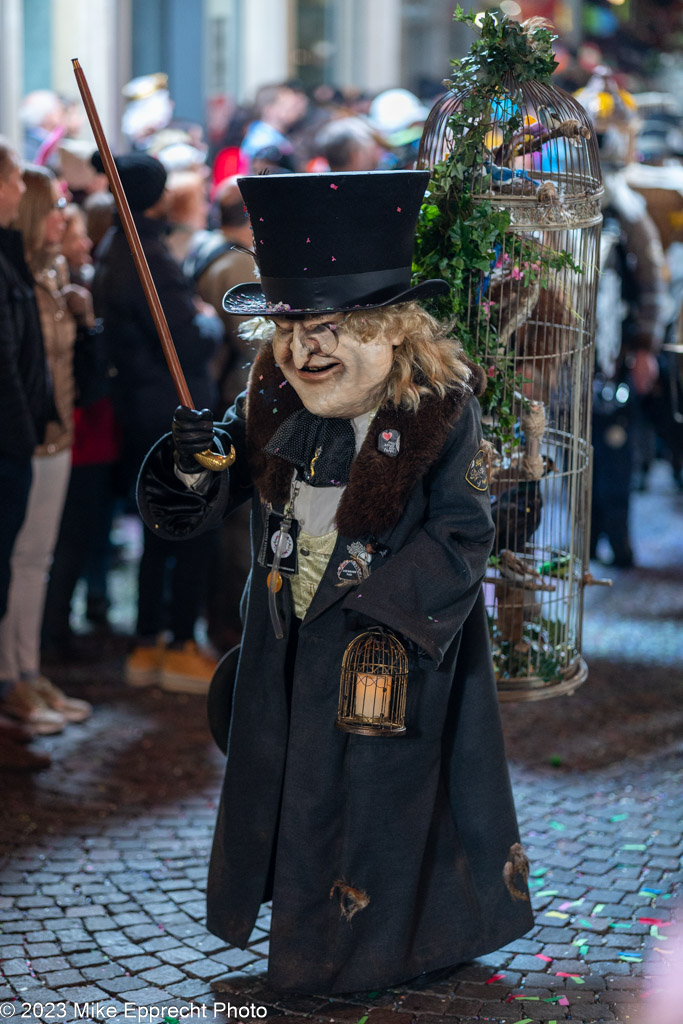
(248, 300)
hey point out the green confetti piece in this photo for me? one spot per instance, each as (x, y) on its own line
(557, 825)
(363, 1019)
(579, 981)
(548, 892)
(618, 817)
(631, 958)
(579, 940)
(527, 1020)
(537, 872)
(583, 950)
(551, 999)
(621, 924)
(634, 846)
(584, 923)
(598, 908)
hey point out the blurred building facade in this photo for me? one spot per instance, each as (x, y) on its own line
(214, 48)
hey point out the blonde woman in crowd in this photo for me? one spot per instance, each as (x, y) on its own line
(32, 698)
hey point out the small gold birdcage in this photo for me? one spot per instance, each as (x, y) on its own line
(372, 689)
(515, 163)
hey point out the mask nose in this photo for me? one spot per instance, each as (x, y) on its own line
(303, 345)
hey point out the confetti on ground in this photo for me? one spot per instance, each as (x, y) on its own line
(597, 909)
(571, 903)
(618, 817)
(655, 920)
(527, 1020)
(537, 872)
(655, 933)
(631, 958)
(494, 977)
(557, 825)
(651, 892)
(542, 956)
(362, 1020)
(664, 952)
(583, 950)
(563, 1001)
(555, 913)
(634, 846)
(547, 892)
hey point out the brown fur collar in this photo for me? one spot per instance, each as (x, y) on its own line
(378, 485)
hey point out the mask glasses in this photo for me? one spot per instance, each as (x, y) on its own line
(322, 337)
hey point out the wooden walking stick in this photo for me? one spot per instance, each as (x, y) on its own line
(208, 459)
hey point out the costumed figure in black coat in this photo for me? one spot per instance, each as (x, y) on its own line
(359, 440)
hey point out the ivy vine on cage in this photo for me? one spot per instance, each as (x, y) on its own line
(466, 237)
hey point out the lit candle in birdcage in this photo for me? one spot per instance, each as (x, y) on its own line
(372, 692)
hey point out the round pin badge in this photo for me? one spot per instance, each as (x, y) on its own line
(349, 571)
(288, 546)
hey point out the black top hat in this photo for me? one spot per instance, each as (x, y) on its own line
(331, 242)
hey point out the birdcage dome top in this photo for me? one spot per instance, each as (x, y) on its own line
(534, 134)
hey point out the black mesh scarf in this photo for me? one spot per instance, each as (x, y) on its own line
(321, 449)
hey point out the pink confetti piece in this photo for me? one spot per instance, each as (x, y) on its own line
(307, 240)
(563, 1001)
(494, 977)
(565, 974)
(655, 920)
(542, 956)
(335, 187)
(261, 241)
(334, 259)
(398, 209)
(261, 218)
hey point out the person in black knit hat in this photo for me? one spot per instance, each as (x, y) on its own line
(358, 443)
(142, 392)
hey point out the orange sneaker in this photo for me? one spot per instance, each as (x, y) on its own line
(187, 669)
(143, 665)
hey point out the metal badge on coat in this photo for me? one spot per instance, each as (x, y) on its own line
(389, 442)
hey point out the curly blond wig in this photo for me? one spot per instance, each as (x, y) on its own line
(427, 360)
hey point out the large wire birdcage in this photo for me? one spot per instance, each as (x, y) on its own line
(532, 315)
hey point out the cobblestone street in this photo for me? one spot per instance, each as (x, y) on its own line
(104, 856)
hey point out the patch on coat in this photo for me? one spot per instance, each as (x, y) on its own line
(350, 900)
(477, 474)
(516, 867)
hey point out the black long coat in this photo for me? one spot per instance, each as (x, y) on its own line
(384, 857)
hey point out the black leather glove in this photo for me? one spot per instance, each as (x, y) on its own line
(192, 432)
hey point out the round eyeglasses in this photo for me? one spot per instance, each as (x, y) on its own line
(321, 337)
(59, 204)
